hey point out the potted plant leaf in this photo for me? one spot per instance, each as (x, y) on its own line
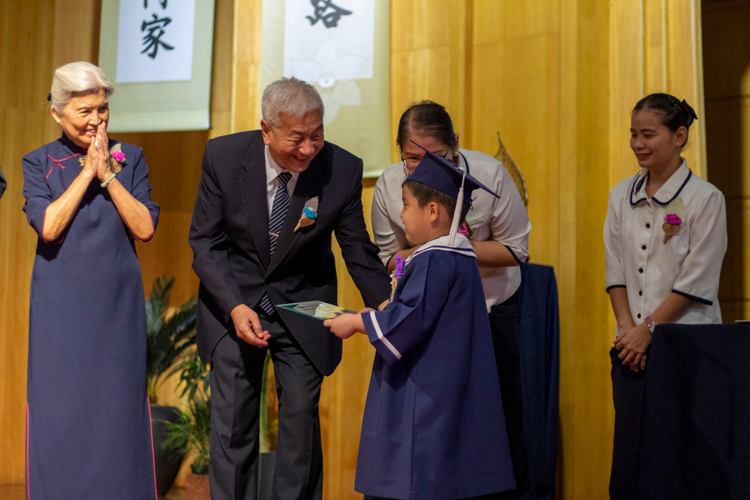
(268, 428)
(169, 339)
(193, 427)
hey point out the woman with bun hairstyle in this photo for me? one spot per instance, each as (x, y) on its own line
(665, 234)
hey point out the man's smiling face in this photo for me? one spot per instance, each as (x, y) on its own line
(295, 141)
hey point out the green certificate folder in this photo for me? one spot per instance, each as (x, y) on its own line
(316, 309)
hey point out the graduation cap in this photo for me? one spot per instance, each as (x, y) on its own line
(443, 175)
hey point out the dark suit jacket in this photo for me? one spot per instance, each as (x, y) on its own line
(229, 237)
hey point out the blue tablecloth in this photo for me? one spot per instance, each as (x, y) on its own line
(682, 427)
(540, 373)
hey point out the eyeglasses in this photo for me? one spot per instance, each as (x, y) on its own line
(413, 161)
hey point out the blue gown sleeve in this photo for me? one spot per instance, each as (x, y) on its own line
(416, 309)
(141, 189)
(37, 193)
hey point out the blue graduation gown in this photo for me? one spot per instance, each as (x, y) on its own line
(88, 422)
(433, 426)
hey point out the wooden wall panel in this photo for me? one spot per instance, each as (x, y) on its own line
(26, 65)
(428, 58)
(726, 48)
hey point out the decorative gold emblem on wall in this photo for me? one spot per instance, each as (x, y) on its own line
(513, 171)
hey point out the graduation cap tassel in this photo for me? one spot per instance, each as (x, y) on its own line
(457, 212)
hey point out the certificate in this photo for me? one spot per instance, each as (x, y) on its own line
(316, 309)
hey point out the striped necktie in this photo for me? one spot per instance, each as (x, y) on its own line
(275, 222)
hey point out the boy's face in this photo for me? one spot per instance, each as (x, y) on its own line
(416, 220)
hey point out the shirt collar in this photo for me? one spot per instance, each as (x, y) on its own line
(462, 245)
(273, 169)
(667, 192)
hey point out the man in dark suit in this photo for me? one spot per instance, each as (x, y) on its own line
(261, 234)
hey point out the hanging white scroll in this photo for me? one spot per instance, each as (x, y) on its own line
(343, 48)
(158, 55)
(155, 40)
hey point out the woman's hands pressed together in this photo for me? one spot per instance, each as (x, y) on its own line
(97, 157)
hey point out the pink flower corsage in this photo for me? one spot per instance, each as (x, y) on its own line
(672, 224)
(119, 157)
(465, 229)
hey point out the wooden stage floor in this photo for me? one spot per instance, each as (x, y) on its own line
(18, 492)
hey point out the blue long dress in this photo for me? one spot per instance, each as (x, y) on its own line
(433, 426)
(88, 422)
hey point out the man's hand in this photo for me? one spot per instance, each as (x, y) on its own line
(247, 326)
(345, 325)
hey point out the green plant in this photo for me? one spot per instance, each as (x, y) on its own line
(193, 429)
(168, 339)
(268, 430)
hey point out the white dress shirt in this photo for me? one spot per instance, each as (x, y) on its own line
(689, 263)
(272, 183)
(504, 220)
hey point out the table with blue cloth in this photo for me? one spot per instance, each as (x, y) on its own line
(682, 426)
(539, 347)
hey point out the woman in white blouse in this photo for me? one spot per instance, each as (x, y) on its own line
(665, 234)
(499, 231)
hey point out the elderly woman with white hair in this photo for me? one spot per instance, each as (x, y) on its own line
(88, 431)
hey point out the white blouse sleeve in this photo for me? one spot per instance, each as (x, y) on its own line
(510, 224)
(614, 271)
(382, 227)
(699, 277)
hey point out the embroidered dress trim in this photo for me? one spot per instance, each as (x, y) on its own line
(385, 341)
(59, 164)
(153, 457)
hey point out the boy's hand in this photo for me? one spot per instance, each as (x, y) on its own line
(345, 325)
(383, 304)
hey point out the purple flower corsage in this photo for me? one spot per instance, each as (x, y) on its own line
(400, 265)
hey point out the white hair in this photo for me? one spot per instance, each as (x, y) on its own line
(289, 96)
(78, 78)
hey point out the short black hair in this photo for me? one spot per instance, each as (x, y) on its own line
(426, 194)
(674, 114)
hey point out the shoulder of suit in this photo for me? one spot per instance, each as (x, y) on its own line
(239, 139)
(341, 154)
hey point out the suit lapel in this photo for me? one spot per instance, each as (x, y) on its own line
(308, 186)
(255, 200)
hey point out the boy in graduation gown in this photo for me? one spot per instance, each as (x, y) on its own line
(433, 426)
